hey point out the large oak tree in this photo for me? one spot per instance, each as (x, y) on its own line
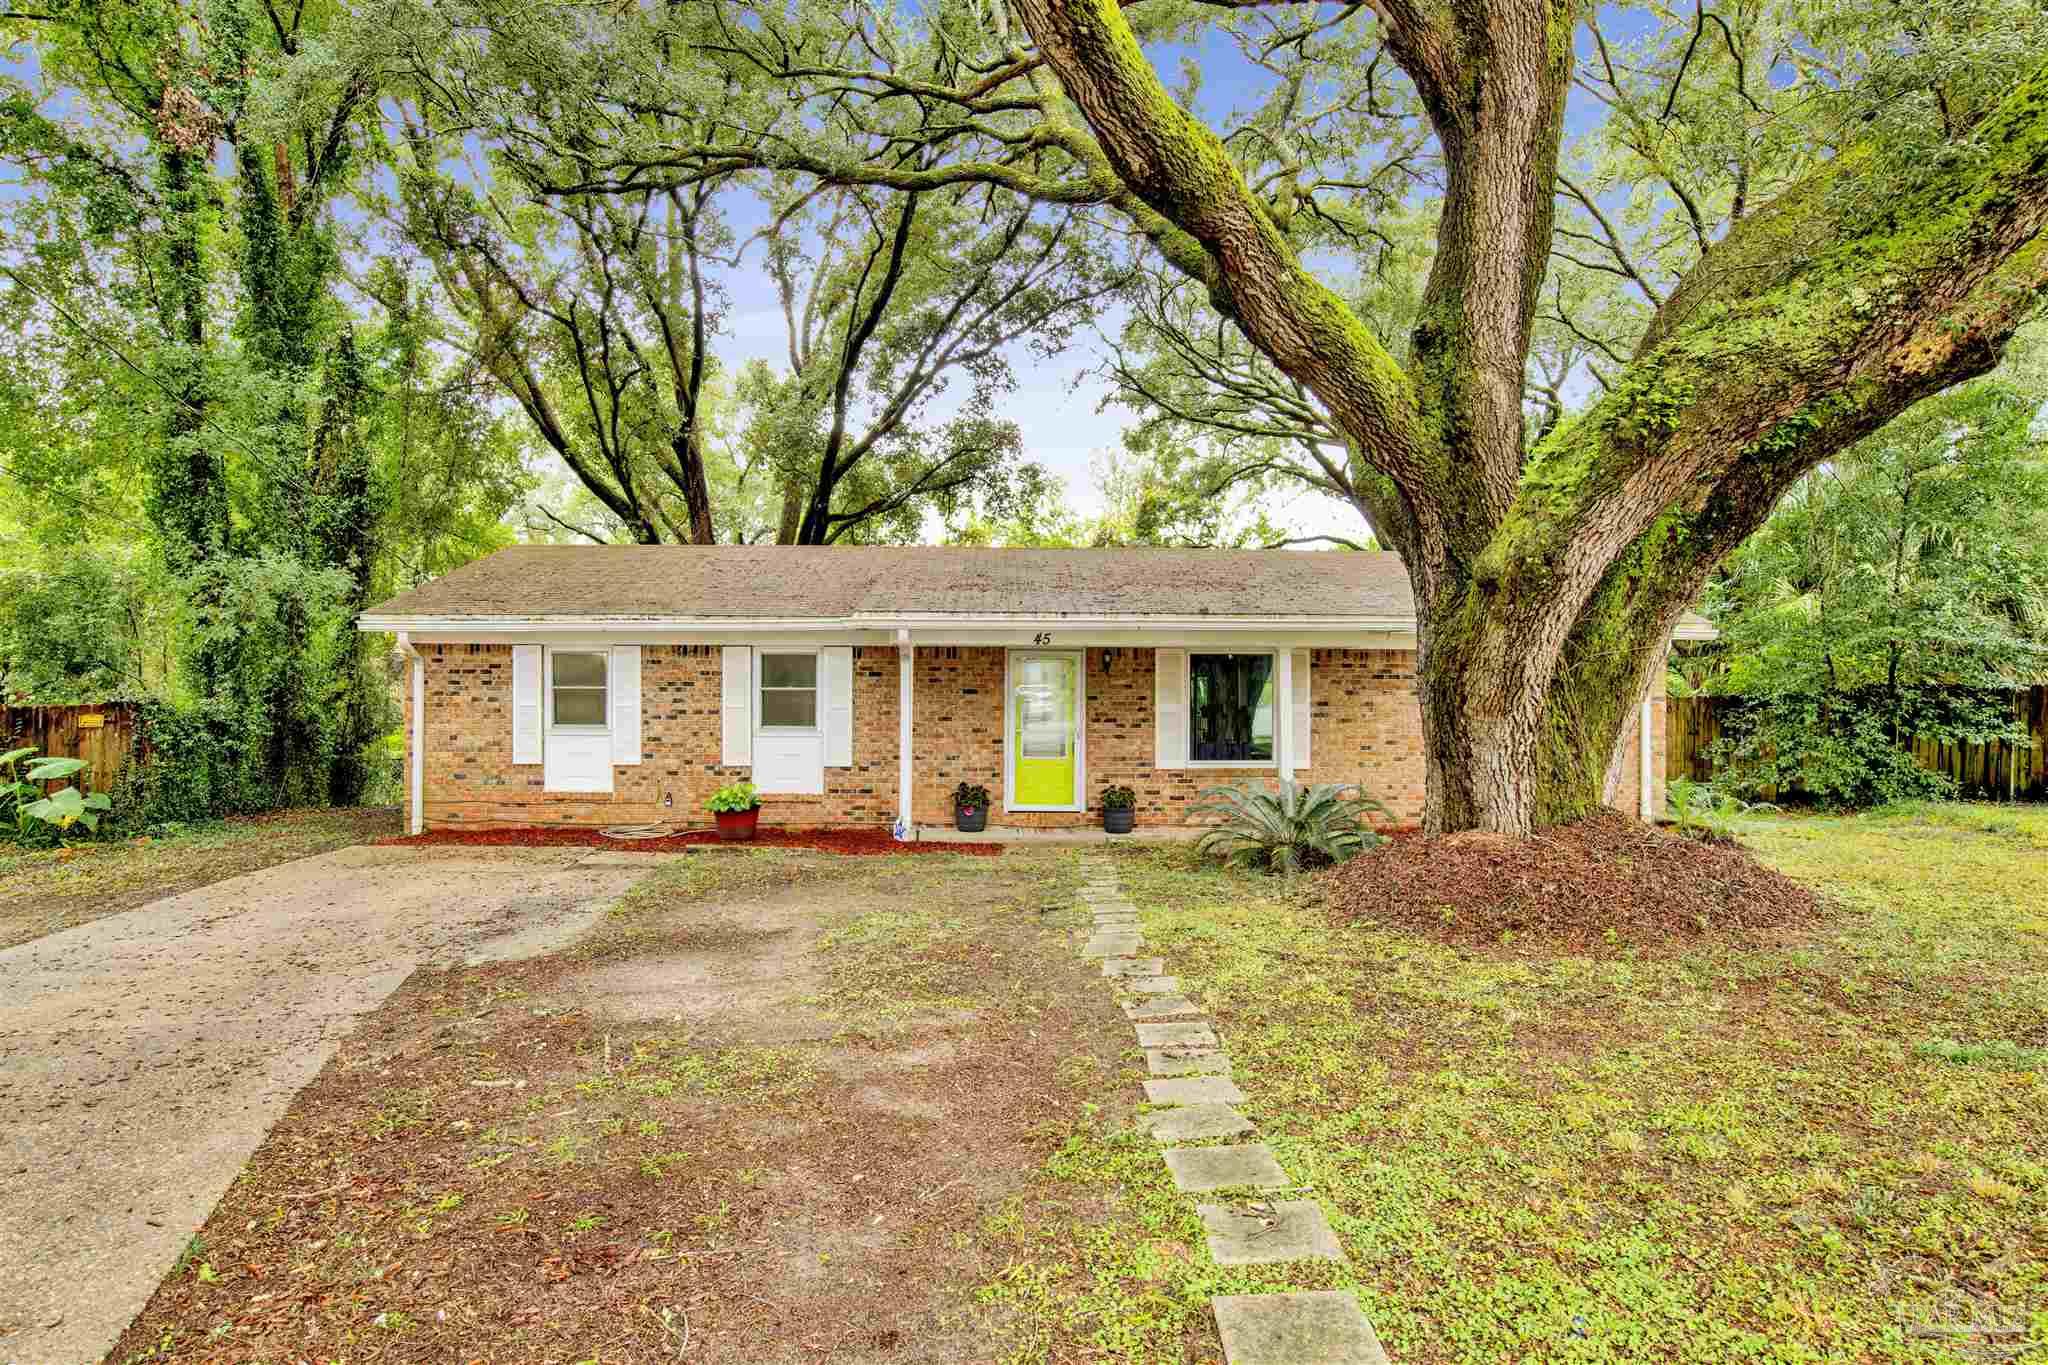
(1891, 258)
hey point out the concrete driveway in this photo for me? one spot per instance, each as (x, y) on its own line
(144, 1056)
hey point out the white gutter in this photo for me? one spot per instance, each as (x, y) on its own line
(416, 753)
(894, 623)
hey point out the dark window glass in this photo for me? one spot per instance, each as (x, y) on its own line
(1230, 708)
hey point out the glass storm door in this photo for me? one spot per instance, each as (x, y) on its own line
(1045, 764)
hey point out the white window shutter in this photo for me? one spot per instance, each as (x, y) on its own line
(835, 687)
(737, 707)
(526, 707)
(626, 704)
(1301, 710)
(1170, 708)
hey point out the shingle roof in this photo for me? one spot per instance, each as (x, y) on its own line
(789, 583)
(836, 582)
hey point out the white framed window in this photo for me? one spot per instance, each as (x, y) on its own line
(579, 691)
(1230, 709)
(787, 691)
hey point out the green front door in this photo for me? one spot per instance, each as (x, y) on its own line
(1044, 734)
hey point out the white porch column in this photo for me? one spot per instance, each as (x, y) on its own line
(905, 657)
(416, 758)
(1283, 712)
(1646, 761)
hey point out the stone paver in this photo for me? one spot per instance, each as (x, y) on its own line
(1152, 985)
(1194, 1122)
(1119, 920)
(1186, 1061)
(1198, 1170)
(1160, 1007)
(1177, 1035)
(1323, 1327)
(1194, 1090)
(1112, 945)
(1264, 1234)
(1134, 966)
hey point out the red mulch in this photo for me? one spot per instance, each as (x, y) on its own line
(854, 842)
(1602, 883)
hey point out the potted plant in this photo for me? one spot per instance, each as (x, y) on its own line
(737, 809)
(1119, 810)
(970, 808)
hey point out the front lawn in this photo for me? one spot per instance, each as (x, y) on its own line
(45, 890)
(1828, 1144)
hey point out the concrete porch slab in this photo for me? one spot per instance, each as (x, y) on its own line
(1322, 1327)
(1080, 834)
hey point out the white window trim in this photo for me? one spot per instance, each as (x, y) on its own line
(1187, 689)
(817, 690)
(547, 682)
(1080, 658)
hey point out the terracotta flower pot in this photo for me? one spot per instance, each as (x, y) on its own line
(737, 826)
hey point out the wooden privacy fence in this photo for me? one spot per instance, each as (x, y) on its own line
(1998, 770)
(101, 735)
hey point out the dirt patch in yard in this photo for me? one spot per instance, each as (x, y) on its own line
(1602, 884)
(765, 1110)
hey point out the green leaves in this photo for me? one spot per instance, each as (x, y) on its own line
(68, 806)
(1292, 830)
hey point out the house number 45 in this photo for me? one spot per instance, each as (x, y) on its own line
(1044, 637)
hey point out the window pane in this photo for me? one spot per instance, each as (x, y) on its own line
(579, 706)
(789, 707)
(789, 670)
(1230, 708)
(579, 670)
(1045, 708)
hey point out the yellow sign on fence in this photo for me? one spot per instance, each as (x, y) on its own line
(92, 721)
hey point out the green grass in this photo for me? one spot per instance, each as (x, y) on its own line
(1831, 1146)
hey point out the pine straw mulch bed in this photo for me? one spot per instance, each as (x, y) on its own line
(1598, 885)
(853, 842)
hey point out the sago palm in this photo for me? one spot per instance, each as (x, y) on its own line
(1295, 828)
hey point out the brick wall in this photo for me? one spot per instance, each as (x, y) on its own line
(1365, 730)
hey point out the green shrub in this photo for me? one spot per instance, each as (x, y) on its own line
(1118, 798)
(31, 815)
(970, 796)
(732, 797)
(1296, 828)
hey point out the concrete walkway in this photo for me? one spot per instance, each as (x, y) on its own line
(144, 1056)
(1196, 1094)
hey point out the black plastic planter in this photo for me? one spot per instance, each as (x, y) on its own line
(1119, 821)
(970, 821)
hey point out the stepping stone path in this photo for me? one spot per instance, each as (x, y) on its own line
(1195, 1096)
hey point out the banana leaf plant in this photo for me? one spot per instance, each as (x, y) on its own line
(21, 794)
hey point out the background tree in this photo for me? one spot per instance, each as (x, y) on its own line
(177, 295)
(1900, 591)
(1832, 267)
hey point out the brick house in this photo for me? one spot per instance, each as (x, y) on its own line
(601, 684)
